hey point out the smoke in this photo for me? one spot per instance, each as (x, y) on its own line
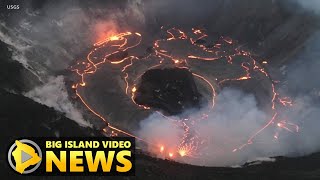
(52, 37)
(302, 82)
(229, 125)
(310, 5)
(47, 40)
(160, 130)
(236, 116)
(54, 94)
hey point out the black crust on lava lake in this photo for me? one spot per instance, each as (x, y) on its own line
(171, 90)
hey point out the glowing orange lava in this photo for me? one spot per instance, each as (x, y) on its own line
(190, 141)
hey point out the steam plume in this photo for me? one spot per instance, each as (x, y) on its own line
(54, 94)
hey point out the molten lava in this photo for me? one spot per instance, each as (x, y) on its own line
(108, 49)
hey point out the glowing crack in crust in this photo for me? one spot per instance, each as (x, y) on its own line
(190, 141)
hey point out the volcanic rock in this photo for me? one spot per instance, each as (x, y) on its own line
(171, 90)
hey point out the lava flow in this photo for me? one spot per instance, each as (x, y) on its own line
(225, 49)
